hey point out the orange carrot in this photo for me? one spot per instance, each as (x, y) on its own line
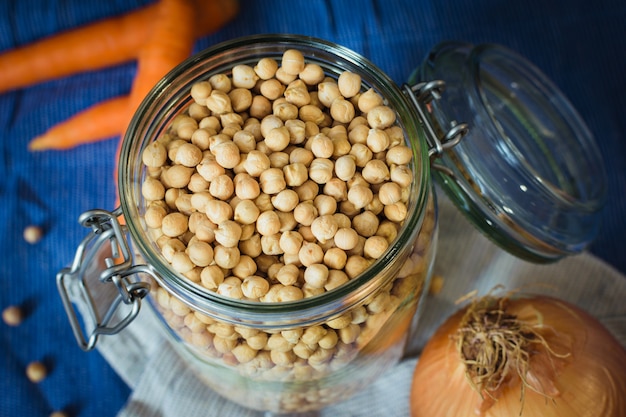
(170, 42)
(108, 119)
(97, 45)
(100, 44)
(100, 121)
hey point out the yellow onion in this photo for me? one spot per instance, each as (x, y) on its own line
(533, 356)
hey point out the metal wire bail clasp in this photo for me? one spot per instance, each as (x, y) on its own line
(103, 255)
(439, 139)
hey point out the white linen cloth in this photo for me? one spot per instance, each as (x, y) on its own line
(163, 386)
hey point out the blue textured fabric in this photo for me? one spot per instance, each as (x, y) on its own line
(578, 44)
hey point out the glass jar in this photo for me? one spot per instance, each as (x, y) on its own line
(307, 353)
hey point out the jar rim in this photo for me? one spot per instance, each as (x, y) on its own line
(166, 99)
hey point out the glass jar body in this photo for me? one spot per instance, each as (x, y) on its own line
(294, 355)
(303, 365)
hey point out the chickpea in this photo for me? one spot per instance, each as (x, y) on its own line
(246, 187)
(200, 91)
(375, 171)
(296, 129)
(269, 123)
(389, 193)
(381, 117)
(154, 216)
(188, 155)
(401, 175)
(316, 275)
(279, 159)
(327, 92)
(355, 265)
(12, 316)
(321, 146)
(211, 277)
(244, 353)
(324, 228)
(228, 233)
(308, 190)
(368, 100)
(256, 163)
(310, 253)
(325, 204)
(181, 262)
(254, 287)
(396, 212)
(268, 223)
(264, 202)
(199, 200)
(288, 274)
(321, 170)
(360, 196)
(251, 246)
(260, 107)
(222, 187)
(297, 93)
(375, 246)
(226, 154)
(286, 200)
(176, 176)
(272, 181)
(342, 110)
(362, 154)
(209, 169)
(266, 68)
(345, 167)
(246, 212)
(291, 242)
(225, 257)
(336, 278)
(270, 244)
(218, 211)
(346, 238)
(174, 224)
(200, 253)
(399, 155)
(349, 84)
(285, 110)
(312, 74)
(278, 138)
(230, 287)
(240, 99)
(154, 155)
(292, 62)
(152, 189)
(377, 140)
(272, 89)
(295, 174)
(36, 372)
(305, 213)
(219, 102)
(184, 126)
(337, 189)
(197, 184)
(244, 76)
(365, 223)
(311, 113)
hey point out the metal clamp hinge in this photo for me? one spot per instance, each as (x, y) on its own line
(117, 270)
(439, 140)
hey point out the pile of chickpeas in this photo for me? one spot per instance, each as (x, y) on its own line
(279, 183)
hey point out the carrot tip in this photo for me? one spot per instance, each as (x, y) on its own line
(40, 143)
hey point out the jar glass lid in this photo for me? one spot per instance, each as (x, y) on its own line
(528, 172)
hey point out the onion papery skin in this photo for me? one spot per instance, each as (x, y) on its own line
(590, 382)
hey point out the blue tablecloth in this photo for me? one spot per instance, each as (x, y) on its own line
(578, 44)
